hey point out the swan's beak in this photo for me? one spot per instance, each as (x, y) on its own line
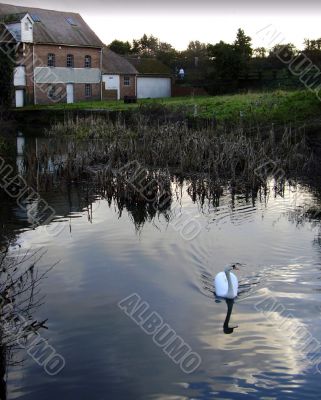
(237, 265)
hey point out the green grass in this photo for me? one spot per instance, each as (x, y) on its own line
(278, 106)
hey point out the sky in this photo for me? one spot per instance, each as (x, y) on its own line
(178, 22)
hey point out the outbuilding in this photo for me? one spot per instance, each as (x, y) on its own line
(118, 76)
(154, 79)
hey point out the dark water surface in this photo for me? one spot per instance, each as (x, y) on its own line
(105, 257)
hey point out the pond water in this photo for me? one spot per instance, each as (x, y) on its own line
(108, 252)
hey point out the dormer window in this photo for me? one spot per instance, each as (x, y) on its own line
(87, 61)
(70, 61)
(26, 29)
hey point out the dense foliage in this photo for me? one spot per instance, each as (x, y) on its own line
(6, 78)
(228, 67)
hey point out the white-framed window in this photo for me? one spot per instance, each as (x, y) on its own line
(126, 80)
(88, 90)
(70, 61)
(87, 61)
(51, 60)
(26, 26)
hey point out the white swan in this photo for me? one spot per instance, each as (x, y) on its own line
(226, 283)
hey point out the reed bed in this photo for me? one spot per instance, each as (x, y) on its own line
(221, 153)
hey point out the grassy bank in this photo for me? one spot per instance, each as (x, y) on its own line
(278, 106)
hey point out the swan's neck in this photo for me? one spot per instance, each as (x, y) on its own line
(229, 281)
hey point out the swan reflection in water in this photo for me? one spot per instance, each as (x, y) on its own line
(227, 288)
(245, 288)
(226, 328)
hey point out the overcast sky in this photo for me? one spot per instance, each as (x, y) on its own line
(209, 21)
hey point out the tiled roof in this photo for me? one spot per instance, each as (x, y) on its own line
(53, 26)
(5, 35)
(149, 66)
(115, 64)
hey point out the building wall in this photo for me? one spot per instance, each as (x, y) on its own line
(127, 90)
(79, 92)
(153, 87)
(109, 91)
(110, 86)
(43, 90)
(60, 93)
(110, 94)
(25, 58)
(79, 53)
(36, 55)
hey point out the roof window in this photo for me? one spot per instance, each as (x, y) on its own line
(35, 18)
(71, 21)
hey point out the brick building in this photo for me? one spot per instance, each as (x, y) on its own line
(119, 76)
(58, 57)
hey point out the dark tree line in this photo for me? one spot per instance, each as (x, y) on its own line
(222, 66)
(6, 78)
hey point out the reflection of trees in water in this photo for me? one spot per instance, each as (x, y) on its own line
(152, 194)
(74, 184)
(19, 297)
(163, 191)
(203, 192)
(145, 197)
(71, 174)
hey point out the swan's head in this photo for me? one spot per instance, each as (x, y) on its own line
(233, 267)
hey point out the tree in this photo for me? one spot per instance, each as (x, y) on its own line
(197, 48)
(196, 53)
(167, 54)
(312, 49)
(120, 47)
(224, 59)
(282, 53)
(243, 44)
(260, 52)
(6, 78)
(312, 45)
(146, 46)
(243, 50)
(288, 47)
